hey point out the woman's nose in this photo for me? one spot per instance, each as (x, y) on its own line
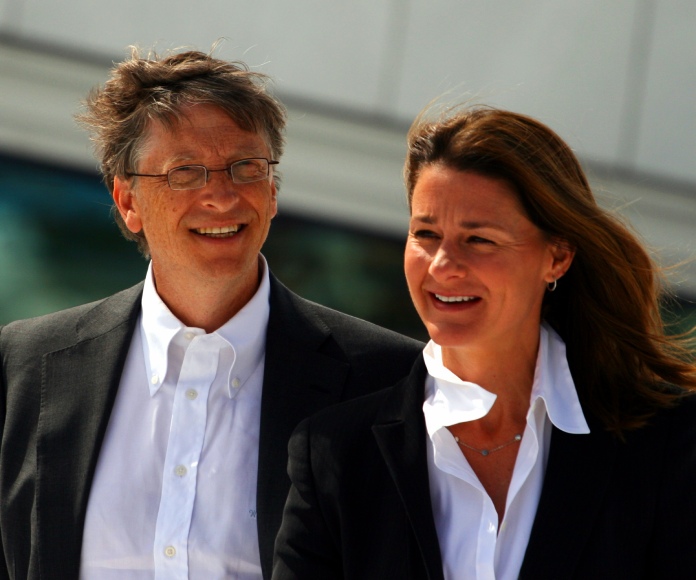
(448, 261)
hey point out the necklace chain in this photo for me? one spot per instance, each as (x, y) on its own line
(517, 438)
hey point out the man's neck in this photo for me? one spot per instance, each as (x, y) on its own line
(207, 304)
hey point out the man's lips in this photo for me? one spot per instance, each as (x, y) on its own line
(221, 232)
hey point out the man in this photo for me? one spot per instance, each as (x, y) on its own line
(145, 435)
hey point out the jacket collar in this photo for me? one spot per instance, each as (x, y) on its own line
(400, 433)
(78, 395)
(578, 473)
(76, 400)
(401, 436)
(304, 372)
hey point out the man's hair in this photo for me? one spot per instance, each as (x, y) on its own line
(143, 89)
(607, 306)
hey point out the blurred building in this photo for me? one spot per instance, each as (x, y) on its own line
(616, 80)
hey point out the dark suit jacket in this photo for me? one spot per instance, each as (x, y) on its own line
(58, 381)
(360, 508)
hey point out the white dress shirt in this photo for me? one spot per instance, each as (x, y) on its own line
(473, 544)
(174, 492)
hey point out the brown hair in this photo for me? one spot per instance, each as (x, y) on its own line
(607, 306)
(146, 88)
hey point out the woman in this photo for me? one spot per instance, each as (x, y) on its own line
(546, 431)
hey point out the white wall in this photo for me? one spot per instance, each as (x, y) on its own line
(616, 79)
(667, 123)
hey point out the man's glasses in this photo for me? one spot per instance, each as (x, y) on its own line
(196, 176)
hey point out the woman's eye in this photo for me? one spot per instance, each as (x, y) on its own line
(424, 234)
(479, 240)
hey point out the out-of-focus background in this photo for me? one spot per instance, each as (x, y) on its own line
(617, 80)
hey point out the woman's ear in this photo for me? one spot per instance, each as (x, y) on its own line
(127, 204)
(562, 257)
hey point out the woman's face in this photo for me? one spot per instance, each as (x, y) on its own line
(476, 266)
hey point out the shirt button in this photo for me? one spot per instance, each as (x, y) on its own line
(236, 382)
(180, 470)
(189, 335)
(191, 394)
(170, 551)
(154, 379)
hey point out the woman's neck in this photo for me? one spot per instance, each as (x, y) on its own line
(508, 375)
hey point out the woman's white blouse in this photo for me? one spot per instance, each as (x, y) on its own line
(473, 544)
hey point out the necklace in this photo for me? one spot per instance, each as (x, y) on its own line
(485, 452)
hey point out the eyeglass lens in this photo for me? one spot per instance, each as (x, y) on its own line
(195, 176)
(190, 177)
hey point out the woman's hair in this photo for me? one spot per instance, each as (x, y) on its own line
(607, 306)
(149, 88)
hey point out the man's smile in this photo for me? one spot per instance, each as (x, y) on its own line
(223, 232)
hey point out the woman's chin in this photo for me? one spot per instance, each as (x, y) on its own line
(453, 335)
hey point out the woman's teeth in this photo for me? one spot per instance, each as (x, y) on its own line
(455, 298)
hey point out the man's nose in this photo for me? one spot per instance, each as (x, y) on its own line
(220, 190)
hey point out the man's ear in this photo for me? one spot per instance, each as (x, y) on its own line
(127, 204)
(274, 199)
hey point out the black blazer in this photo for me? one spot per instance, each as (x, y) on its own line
(359, 506)
(58, 382)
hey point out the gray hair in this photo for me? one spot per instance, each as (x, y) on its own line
(152, 88)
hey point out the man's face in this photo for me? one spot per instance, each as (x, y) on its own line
(207, 236)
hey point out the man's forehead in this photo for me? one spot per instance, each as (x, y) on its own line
(201, 126)
(200, 117)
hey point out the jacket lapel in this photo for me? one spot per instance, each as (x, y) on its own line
(78, 387)
(299, 380)
(570, 501)
(570, 498)
(401, 437)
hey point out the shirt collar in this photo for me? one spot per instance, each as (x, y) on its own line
(449, 400)
(245, 332)
(554, 384)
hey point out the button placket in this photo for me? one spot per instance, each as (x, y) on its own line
(186, 437)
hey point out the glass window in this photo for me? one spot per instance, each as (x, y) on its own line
(59, 247)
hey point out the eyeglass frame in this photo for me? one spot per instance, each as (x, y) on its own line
(228, 169)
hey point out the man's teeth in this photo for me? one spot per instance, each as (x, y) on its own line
(218, 232)
(455, 298)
